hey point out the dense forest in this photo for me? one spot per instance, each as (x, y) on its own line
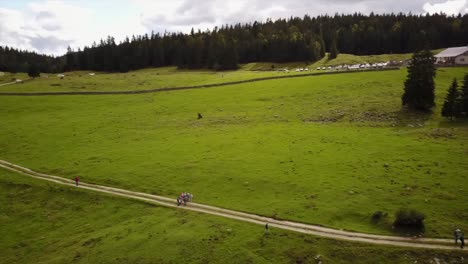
(283, 40)
(13, 60)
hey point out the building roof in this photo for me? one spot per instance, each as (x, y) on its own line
(452, 52)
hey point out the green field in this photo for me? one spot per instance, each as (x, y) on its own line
(146, 79)
(7, 77)
(168, 77)
(47, 223)
(327, 150)
(137, 80)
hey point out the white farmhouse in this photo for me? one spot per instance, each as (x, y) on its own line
(453, 56)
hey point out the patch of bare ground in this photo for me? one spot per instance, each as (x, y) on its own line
(375, 116)
(441, 133)
(330, 117)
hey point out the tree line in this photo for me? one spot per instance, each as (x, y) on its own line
(14, 60)
(295, 39)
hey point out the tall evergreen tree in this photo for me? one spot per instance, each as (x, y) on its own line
(33, 71)
(419, 85)
(450, 108)
(322, 47)
(333, 50)
(464, 96)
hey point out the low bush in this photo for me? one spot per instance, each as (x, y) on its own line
(377, 216)
(409, 219)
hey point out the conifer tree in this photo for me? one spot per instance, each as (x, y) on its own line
(419, 85)
(33, 71)
(450, 108)
(333, 50)
(322, 47)
(464, 97)
(70, 59)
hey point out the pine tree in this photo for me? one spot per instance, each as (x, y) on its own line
(70, 59)
(33, 71)
(333, 50)
(322, 47)
(450, 108)
(464, 97)
(419, 85)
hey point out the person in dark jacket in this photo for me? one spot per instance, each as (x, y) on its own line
(456, 235)
(462, 239)
(77, 180)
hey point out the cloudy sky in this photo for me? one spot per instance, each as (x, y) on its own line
(49, 26)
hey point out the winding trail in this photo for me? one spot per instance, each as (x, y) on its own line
(428, 243)
(3, 84)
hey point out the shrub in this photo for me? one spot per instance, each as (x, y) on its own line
(33, 71)
(377, 216)
(409, 219)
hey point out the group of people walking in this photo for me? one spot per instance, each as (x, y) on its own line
(184, 198)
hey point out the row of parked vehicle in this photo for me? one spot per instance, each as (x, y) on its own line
(355, 66)
(345, 67)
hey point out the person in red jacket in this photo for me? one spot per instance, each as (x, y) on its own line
(77, 180)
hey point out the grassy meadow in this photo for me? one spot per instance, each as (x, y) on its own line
(328, 150)
(46, 223)
(136, 80)
(7, 77)
(169, 77)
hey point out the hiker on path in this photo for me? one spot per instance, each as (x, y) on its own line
(77, 180)
(266, 228)
(462, 239)
(456, 234)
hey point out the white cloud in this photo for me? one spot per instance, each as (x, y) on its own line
(182, 15)
(450, 7)
(50, 26)
(43, 26)
(11, 23)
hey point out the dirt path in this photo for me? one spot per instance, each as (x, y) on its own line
(429, 243)
(3, 84)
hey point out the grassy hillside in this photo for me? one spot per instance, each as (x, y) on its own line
(45, 223)
(7, 77)
(329, 150)
(342, 59)
(137, 80)
(171, 77)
